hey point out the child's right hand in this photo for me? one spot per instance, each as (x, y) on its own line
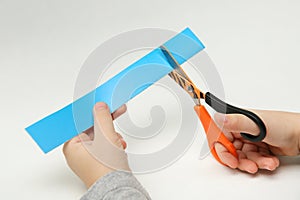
(283, 135)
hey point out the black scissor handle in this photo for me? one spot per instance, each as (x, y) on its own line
(222, 107)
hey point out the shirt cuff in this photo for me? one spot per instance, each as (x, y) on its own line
(116, 185)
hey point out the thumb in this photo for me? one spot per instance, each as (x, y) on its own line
(103, 118)
(236, 123)
(103, 124)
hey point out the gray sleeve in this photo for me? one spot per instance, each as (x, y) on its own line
(117, 185)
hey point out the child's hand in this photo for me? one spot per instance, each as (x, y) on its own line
(83, 164)
(283, 135)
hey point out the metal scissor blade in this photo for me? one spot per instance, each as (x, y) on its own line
(174, 63)
(181, 78)
(183, 83)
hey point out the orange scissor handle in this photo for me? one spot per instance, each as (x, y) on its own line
(213, 133)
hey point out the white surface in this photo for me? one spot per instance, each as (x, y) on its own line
(254, 45)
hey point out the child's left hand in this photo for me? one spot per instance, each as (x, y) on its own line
(83, 164)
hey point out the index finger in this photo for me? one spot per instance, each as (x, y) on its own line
(225, 156)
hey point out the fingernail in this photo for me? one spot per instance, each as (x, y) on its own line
(124, 144)
(100, 106)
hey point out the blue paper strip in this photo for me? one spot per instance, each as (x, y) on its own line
(76, 117)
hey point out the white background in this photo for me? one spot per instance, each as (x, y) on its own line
(43, 44)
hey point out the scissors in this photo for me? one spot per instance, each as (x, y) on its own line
(213, 132)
